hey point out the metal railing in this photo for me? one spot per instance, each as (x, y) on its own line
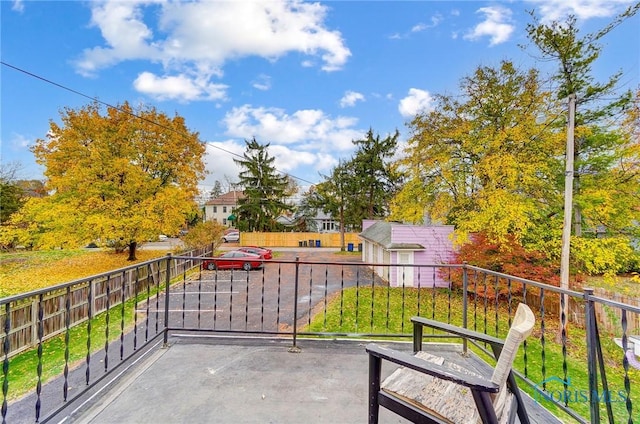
(569, 364)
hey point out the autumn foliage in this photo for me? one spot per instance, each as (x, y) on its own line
(507, 258)
(117, 178)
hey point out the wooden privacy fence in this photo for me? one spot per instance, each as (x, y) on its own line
(298, 239)
(94, 294)
(609, 319)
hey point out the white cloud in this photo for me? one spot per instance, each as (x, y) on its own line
(180, 87)
(497, 25)
(262, 82)
(435, 20)
(126, 35)
(557, 10)
(419, 27)
(19, 141)
(199, 37)
(18, 6)
(219, 161)
(302, 143)
(287, 159)
(308, 129)
(350, 98)
(416, 102)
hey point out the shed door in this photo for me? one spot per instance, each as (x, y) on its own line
(405, 273)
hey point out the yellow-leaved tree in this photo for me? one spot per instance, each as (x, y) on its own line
(486, 160)
(116, 178)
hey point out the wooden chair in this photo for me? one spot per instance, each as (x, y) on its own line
(430, 389)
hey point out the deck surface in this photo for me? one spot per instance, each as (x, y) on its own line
(223, 380)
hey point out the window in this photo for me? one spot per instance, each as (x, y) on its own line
(215, 209)
(328, 226)
(224, 209)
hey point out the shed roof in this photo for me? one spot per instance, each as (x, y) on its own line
(380, 233)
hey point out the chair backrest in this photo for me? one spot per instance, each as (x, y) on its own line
(521, 327)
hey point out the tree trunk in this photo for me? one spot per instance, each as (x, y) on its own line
(132, 251)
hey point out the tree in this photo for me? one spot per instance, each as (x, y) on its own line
(117, 178)
(204, 233)
(334, 194)
(595, 147)
(264, 189)
(307, 210)
(363, 186)
(216, 191)
(486, 160)
(375, 179)
(606, 206)
(11, 193)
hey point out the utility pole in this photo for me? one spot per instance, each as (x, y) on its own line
(568, 202)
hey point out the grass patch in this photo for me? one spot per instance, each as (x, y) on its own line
(22, 272)
(623, 284)
(385, 310)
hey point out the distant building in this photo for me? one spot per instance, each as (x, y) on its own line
(400, 244)
(222, 208)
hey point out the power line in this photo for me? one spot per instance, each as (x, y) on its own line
(95, 99)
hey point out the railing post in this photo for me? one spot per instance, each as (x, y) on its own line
(465, 306)
(166, 301)
(295, 348)
(591, 356)
(92, 299)
(34, 320)
(417, 338)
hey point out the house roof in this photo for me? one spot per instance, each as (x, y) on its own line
(230, 198)
(380, 233)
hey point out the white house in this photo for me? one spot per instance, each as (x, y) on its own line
(399, 244)
(221, 208)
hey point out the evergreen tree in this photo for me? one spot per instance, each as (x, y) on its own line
(372, 178)
(264, 189)
(216, 191)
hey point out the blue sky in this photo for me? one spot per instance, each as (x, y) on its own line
(306, 77)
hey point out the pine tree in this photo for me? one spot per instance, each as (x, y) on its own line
(264, 189)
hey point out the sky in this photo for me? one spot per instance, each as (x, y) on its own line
(306, 77)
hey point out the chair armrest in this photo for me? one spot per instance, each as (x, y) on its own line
(444, 372)
(496, 343)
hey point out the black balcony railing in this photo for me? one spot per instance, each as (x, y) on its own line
(60, 342)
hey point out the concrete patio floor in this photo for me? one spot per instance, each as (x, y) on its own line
(214, 379)
(222, 380)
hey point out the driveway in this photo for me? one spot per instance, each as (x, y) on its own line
(263, 300)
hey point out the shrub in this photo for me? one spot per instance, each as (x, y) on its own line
(508, 258)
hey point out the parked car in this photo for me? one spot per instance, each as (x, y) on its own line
(233, 259)
(231, 237)
(162, 237)
(256, 250)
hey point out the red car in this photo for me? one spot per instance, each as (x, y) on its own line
(233, 260)
(260, 251)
